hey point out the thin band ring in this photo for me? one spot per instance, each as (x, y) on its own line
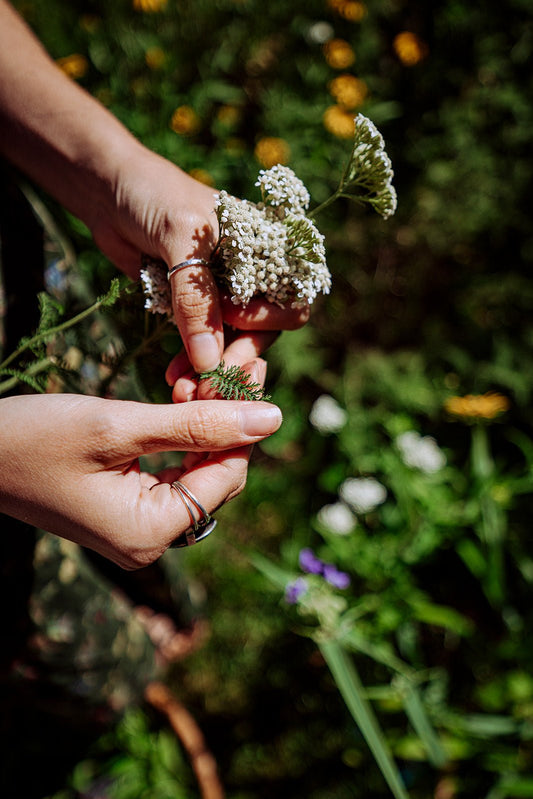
(201, 527)
(188, 262)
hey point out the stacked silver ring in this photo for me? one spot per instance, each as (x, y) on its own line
(189, 262)
(202, 523)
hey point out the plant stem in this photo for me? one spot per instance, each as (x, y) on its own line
(52, 331)
(33, 369)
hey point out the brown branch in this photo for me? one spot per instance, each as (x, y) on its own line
(191, 737)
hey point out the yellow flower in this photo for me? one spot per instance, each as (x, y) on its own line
(409, 48)
(339, 54)
(149, 6)
(270, 151)
(478, 406)
(339, 122)
(348, 91)
(155, 57)
(349, 9)
(75, 65)
(185, 120)
(203, 176)
(352, 11)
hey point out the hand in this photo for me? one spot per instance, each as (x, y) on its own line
(70, 465)
(163, 212)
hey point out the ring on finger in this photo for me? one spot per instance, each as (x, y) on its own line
(188, 262)
(202, 523)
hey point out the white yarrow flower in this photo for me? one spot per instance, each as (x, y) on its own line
(420, 452)
(363, 494)
(326, 415)
(337, 518)
(272, 248)
(156, 288)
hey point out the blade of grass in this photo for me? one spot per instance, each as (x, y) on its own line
(352, 691)
(416, 712)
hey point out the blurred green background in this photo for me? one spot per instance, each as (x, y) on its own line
(427, 308)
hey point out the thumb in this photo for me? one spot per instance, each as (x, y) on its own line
(197, 426)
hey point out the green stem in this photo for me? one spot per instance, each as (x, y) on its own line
(325, 204)
(52, 331)
(34, 369)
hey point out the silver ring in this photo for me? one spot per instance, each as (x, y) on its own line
(200, 527)
(189, 262)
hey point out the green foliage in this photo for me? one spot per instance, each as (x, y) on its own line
(436, 303)
(233, 383)
(133, 761)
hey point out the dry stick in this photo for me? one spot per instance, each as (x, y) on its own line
(190, 735)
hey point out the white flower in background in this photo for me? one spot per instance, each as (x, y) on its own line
(363, 494)
(156, 287)
(326, 415)
(337, 518)
(420, 452)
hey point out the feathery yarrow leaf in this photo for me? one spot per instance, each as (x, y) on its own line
(233, 383)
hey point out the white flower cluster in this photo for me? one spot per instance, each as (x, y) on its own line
(337, 518)
(272, 248)
(156, 287)
(420, 452)
(326, 415)
(280, 187)
(370, 168)
(363, 494)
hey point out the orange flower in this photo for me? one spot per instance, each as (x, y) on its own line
(352, 11)
(348, 91)
(349, 9)
(409, 48)
(270, 151)
(185, 120)
(149, 6)
(155, 57)
(339, 54)
(478, 406)
(339, 122)
(75, 65)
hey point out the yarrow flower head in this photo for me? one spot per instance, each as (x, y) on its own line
(271, 248)
(369, 174)
(363, 494)
(155, 286)
(337, 518)
(326, 415)
(420, 452)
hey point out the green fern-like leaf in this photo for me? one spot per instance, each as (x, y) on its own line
(233, 383)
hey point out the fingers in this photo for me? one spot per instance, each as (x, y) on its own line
(240, 352)
(260, 314)
(198, 316)
(131, 429)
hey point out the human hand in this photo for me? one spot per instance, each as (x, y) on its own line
(70, 465)
(159, 210)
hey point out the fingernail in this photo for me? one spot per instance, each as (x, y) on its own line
(259, 420)
(204, 352)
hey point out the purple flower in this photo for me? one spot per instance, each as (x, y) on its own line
(335, 577)
(294, 590)
(313, 565)
(309, 562)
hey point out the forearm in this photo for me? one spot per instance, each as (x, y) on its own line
(52, 129)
